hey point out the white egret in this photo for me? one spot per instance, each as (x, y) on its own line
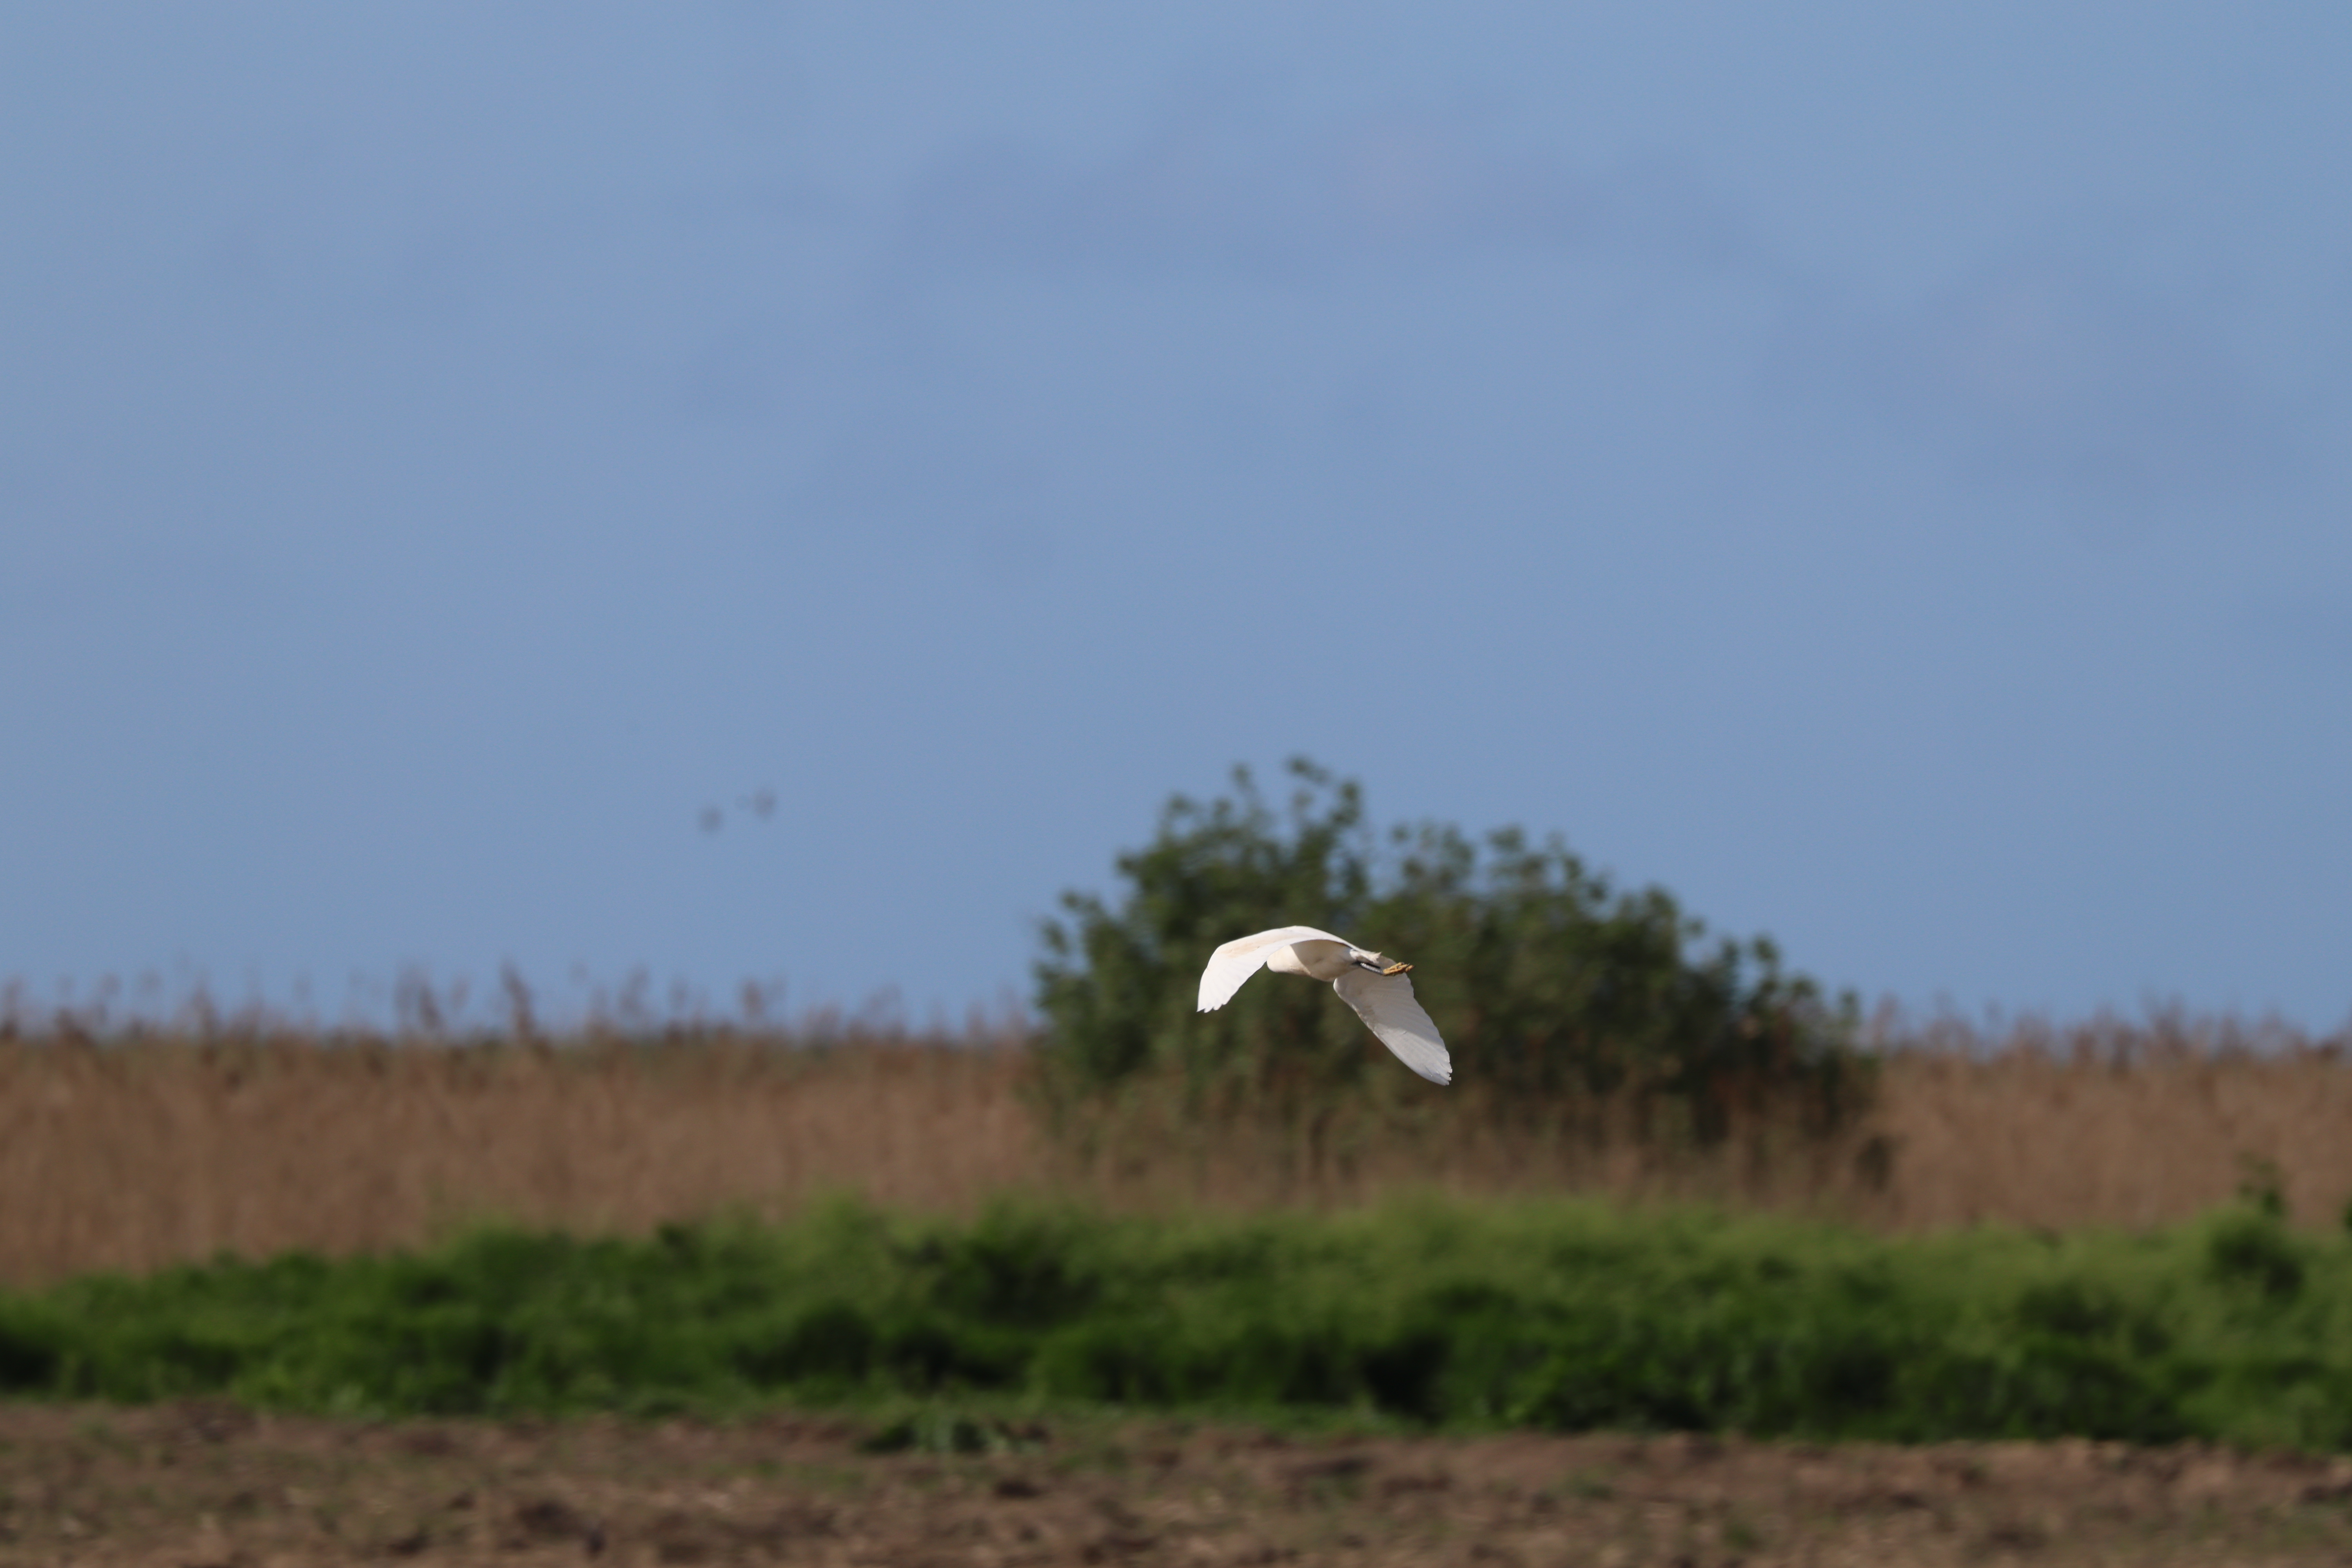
(1368, 982)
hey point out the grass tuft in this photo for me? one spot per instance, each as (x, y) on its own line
(1558, 1315)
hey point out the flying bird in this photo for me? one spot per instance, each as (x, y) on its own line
(1368, 982)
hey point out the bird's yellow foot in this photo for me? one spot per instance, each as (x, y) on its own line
(1396, 969)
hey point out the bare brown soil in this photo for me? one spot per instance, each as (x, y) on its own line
(176, 1147)
(196, 1487)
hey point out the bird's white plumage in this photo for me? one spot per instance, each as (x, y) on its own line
(1239, 959)
(1385, 1001)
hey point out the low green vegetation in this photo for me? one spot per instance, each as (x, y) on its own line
(1546, 1314)
(1556, 991)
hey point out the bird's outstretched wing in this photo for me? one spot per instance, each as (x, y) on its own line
(1386, 1002)
(1242, 957)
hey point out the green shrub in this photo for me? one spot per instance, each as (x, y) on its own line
(1547, 1314)
(1550, 986)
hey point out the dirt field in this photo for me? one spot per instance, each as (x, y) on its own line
(196, 1486)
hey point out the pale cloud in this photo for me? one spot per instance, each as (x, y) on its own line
(1211, 188)
(2051, 374)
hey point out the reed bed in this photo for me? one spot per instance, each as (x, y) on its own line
(2109, 1122)
(162, 1146)
(133, 1155)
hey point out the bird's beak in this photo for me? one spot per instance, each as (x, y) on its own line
(1396, 969)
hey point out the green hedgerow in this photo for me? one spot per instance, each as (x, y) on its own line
(1548, 984)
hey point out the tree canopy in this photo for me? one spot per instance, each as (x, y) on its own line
(1550, 984)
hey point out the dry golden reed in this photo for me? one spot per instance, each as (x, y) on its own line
(133, 1155)
(2111, 1123)
(163, 1147)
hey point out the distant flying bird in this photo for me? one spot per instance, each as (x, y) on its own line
(1375, 988)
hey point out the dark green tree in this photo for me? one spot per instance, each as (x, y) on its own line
(1552, 988)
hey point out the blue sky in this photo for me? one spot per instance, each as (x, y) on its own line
(1884, 474)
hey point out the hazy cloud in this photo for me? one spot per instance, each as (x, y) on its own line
(2055, 376)
(1211, 189)
(2065, 374)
